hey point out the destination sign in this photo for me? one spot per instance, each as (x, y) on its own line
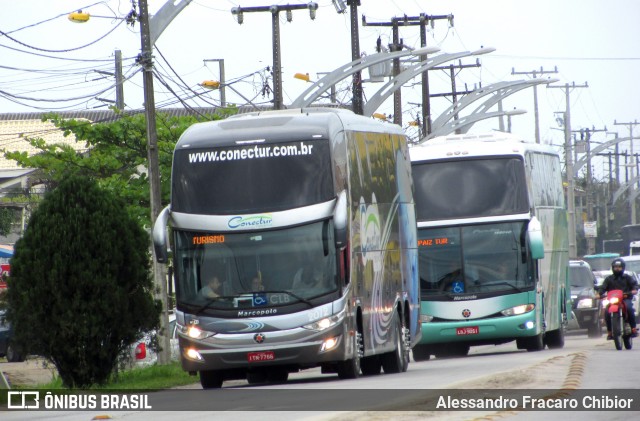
(208, 239)
(437, 241)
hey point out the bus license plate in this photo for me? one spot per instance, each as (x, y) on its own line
(469, 330)
(253, 357)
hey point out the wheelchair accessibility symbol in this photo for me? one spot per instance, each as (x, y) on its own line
(259, 300)
(457, 287)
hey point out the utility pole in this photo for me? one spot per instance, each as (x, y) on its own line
(357, 103)
(119, 102)
(223, 97)
(534, 74)
(275, 10)
(585, 136)
(571, 199)
(119, 81)
(397, 45)
(633, 165)
(145, 59)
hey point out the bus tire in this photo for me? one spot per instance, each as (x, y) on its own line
(255, 377)
(535, 343)
(277, 375)
(555, 338)
(370, 366)
(211, 379)
(396, 360)
(350, 369)
(421, 353)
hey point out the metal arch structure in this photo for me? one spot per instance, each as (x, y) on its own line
(580, 162)
(312, 93)
(397, 81)
(164, 16)
(500, 89)
(464, 123)
(624, 188)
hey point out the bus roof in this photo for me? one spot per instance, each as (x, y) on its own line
(281, 125)
(465, 146)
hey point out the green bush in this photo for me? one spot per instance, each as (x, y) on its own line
(80, 286)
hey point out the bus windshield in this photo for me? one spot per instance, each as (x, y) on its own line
(466, 188)
(478, 259)
(254, 270)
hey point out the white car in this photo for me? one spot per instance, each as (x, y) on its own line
(143, 352)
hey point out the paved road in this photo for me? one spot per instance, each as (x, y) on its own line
(584, 363)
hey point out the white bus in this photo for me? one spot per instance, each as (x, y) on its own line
(306, 218)
(492, 244)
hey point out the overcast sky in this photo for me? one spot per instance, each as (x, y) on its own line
(589, 41)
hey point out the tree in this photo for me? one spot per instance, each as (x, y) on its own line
(80, 286)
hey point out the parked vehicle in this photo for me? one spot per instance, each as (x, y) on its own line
(145, 351)
(620, 328)
(601, 261)
(585, 302)
(7, 348)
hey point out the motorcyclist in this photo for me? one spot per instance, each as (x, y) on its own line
(622, 281)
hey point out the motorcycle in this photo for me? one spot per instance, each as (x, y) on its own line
(620, 327)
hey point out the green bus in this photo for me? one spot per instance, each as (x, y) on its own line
(492, 244)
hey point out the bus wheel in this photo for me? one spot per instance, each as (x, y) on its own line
(370, 366)
(211, 379)
(555, 338)
(350, 369)
(534, 343)
(396, 360)
(421, 353)
(277, 375)
(254, 377)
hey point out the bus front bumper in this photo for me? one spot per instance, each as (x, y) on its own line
(295, 348)
(498, 329)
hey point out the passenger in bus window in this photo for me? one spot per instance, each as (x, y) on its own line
(256, 283)
(212, 289)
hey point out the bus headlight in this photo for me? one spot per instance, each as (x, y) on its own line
(521, 309)
(326, 323)
(585, 303)
(194, 332)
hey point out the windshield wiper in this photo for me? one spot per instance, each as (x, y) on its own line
(209, 302)
(501, 283)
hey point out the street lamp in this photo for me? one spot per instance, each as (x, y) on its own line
(79, 17)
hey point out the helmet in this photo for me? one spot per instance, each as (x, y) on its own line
(618, 262)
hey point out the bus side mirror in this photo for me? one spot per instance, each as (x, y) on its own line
(534, 237)
(160, 236)
(340, 220)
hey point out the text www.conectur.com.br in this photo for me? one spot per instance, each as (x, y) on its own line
(252, 152)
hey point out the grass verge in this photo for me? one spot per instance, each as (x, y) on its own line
(153, 377)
